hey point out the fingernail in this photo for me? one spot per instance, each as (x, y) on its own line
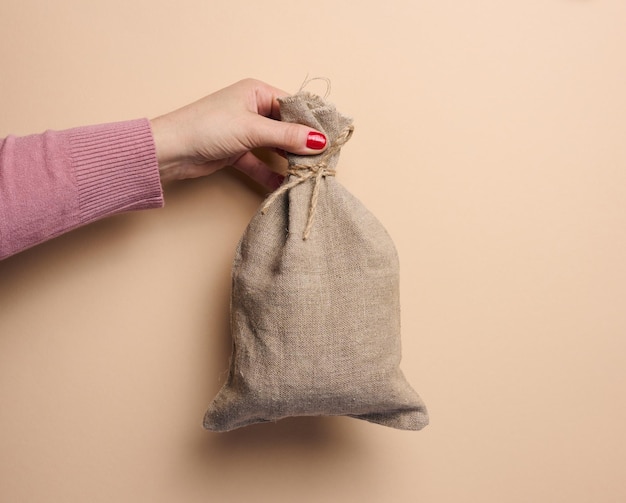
(316, 141)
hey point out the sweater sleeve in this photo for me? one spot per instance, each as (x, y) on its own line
(56, 181)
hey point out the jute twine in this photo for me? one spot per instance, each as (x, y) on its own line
(300, 173)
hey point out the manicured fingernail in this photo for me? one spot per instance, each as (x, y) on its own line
(316, 141)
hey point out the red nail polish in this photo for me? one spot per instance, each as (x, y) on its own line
(316, 141)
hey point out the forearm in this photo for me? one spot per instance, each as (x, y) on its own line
(56, 181)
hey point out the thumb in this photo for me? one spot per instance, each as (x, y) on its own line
(290, 137)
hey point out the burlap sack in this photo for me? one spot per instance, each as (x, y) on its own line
(315, 313)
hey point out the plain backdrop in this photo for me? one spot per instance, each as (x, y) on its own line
(489, 141)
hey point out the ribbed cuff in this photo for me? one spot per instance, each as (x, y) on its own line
(115, 168)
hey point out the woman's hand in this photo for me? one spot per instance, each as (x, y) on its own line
(221, 130)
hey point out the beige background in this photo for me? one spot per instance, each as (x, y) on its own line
(489, 141)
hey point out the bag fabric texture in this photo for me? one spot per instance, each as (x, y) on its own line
(315, 308)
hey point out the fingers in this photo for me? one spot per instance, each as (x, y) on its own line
(293, 138)
(266, 97)
(256, 169)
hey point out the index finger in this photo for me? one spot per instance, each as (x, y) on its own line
(267, 100)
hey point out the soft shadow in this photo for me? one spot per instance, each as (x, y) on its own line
(272, 451)
(303, 433)
(68, 249)
(272, 460)
(110, 231)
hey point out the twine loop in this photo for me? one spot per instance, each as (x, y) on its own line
(300, 173)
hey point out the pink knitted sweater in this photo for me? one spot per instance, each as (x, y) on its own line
(53, 182)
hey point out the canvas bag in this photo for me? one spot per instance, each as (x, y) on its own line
(315, 312)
